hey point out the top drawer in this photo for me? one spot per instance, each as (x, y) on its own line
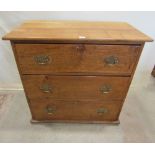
(76, 58)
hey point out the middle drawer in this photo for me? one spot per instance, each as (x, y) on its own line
(76, 87)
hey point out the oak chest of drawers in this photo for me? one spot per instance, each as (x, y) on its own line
(76, 71)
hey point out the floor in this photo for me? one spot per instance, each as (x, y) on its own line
(137, 120)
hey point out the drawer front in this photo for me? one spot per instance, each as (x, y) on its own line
(43, 109)
(76, 87)
(74, 58)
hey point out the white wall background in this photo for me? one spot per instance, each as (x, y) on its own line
(144, 21)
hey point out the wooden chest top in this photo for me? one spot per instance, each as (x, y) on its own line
(77, 31)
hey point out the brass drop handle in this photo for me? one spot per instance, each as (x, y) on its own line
(46, 88)
(111, 60)
(102, 111)
(42, 59)
(105, 89)
(50, 110)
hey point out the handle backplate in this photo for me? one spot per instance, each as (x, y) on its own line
(42, 59)
(46, 88)
(111, 60)
(102, 111)
(50, 110)
(105, 89)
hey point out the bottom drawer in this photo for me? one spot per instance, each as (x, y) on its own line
(58, 110)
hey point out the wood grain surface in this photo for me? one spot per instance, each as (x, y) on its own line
(76, 30)
(75, 110)
(77, 58)
(76, 87)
